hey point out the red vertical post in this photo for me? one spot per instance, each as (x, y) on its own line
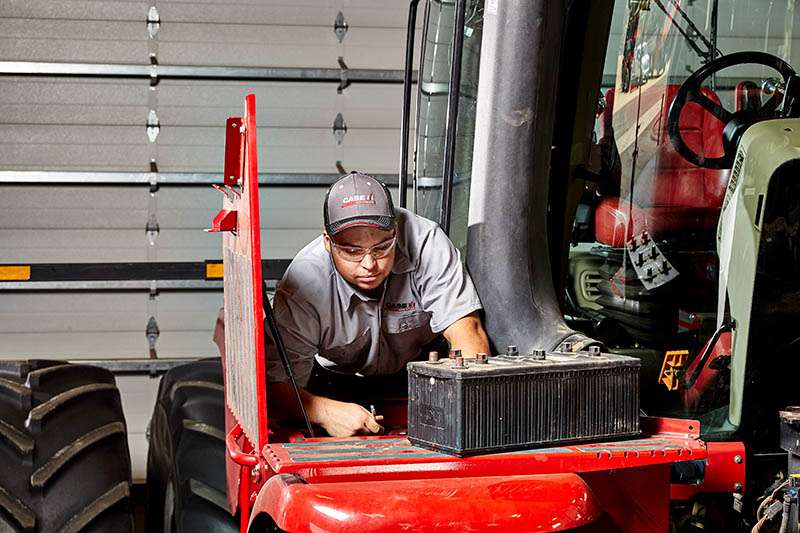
(251, 179)
(244, 499)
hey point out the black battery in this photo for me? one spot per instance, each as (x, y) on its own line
(469, 406)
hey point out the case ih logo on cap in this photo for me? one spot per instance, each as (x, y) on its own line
(358, 199)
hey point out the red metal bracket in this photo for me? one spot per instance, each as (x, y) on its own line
(235, 451)
(724, 472)
(671, 427)
(233, 150)
(226, 220)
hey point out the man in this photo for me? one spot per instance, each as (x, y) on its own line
(364, 298)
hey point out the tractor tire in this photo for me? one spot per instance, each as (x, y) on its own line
(64, 459)
(186, 483)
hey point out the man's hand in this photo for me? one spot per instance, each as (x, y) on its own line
(341, 419)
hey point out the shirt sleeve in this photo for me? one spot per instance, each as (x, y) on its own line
(445, 288)
(299, 326)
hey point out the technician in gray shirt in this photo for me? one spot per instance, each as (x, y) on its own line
(364, 298)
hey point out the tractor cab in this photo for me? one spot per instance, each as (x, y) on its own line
(663, 222)
(682, 85)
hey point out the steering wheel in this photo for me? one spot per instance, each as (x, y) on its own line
(690, 91)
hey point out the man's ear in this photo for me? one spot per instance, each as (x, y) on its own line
(327, 241)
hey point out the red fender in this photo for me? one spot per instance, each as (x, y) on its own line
(553, 502)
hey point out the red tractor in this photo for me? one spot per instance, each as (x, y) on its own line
(570, 234)
(381, 483)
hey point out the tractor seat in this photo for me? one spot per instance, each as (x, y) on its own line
(676, 196)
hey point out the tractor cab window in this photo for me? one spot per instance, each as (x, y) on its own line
(434, 76)
(644, 262)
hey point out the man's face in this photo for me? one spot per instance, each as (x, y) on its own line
(368, 273)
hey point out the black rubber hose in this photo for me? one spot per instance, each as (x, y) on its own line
(269, 319)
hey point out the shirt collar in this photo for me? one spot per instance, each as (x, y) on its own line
(343, 289)
(402, 264)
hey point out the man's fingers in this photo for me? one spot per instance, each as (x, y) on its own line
(372, 426)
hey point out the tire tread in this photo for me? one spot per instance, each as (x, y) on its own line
(58, 423)
(187, 451)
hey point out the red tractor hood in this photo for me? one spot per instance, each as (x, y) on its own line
(552, 502)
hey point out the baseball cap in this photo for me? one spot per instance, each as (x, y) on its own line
(358, 200)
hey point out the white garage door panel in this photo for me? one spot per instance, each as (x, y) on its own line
(372, 151)
(63, 207)
(204, 306)
(79, 101)
(55, 147)
(376, 13)
(67, 156)
(75, 313)
(281, 208)
(72, 91)
(84, 312)
(199, 44)
(124, 103)
(52, 134)
(55, 31)
(297, 207)
(381, 13)
(77, 9)
(245, 45)
(188, 149)
(279, 46)
(193, 245)
(72, 246)
(108, 325)
(72, 114)
(80, 207)
(310, 152)
(106, 345)
(73, 41)
(283, 150)
(281, 104)
(119, 245)
(278, 104)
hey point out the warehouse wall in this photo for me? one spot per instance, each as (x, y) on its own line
(100, 124)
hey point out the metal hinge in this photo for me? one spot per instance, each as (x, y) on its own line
(153, 176)
(344, 83)
(152, 229)
(153, 125)
(153, 71)
(339, 128)
(152, 332)
(340, 26)
(153, 22)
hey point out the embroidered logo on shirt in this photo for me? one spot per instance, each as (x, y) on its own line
(357, 199)
(391, 307)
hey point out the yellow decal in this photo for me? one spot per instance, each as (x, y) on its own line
(673, 361)
(15, 273)
(214, 270)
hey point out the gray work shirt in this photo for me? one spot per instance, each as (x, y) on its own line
(320, 315)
